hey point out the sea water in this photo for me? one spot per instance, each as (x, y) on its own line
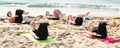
(69, 7)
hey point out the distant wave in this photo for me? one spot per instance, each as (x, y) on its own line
(61, 5)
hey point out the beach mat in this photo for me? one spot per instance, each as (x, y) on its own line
(107, 39)
(42, 42)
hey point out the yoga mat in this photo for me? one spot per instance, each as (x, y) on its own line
(43, 42)
(107, 39)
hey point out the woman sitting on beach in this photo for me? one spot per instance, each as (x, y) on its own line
(100, 31)
(42, 32)
(18, 16)
(77, 20)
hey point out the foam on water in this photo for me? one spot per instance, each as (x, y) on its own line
(68, 11)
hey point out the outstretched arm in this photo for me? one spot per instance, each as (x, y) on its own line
(25, 13)
(90, 34)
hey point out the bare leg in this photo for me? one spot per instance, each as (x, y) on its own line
(83, 15)
(25, 13)
(87, 13)
(32, 26)
(112, 23)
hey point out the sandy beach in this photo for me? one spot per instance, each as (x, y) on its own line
(70, 36)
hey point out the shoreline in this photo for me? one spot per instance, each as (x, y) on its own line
(67, 11)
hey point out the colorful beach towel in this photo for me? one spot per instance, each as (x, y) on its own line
(107, 39)
(73, 19)
(43, 42)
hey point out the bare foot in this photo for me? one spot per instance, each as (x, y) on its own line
(112, 23)
(83, 15)
(87, 13)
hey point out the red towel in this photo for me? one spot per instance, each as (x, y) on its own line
(107, 39)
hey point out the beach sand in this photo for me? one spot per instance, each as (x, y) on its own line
(70, 36)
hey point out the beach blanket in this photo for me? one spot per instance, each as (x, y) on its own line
(42, 42)
(107, 39)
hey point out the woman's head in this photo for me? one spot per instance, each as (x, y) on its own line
(70, 17)
(9, 14)
(90, 26)
(47, 13)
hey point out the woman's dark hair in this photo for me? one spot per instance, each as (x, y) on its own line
(8, 13)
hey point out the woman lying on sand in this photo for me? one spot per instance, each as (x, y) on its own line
(100, 31)
(18, 18)
(77, 20)
(42, 32)
(56, 14)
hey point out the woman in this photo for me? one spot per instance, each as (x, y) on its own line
(42, 32)
(78, 20)
(18, 18)
(56, 14)
(101, 30)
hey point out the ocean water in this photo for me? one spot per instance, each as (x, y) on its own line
(69, 7)
(67, 11)
(62, 3)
